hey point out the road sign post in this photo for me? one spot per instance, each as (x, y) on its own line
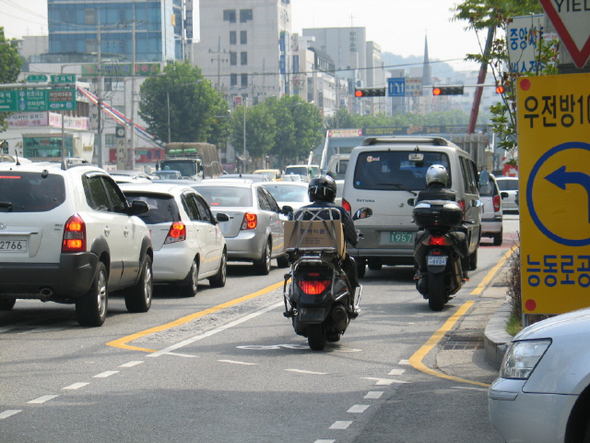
(554, 154)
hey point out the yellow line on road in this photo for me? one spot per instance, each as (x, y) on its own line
(122, 342)
(488, 278)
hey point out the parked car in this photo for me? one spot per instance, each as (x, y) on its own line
(508, 191)
(386, 174)
(272, 174)
(491, 214)
(67, 234)
(187, 241)
(168, 174)
(255, 231)
(542, 394)
(291, 194)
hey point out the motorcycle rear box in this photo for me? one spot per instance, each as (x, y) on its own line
(441, 213)
(306, 234)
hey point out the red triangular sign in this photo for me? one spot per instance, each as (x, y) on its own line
(571, 23)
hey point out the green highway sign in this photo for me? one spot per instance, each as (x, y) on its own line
(37, 100)
(37, 78)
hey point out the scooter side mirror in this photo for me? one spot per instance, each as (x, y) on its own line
(362, 213)
(411, 202)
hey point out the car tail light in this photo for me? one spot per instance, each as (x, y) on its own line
(496, 201)
(250, 221)
(176, 234)
(314, 287)
(346, 206)
(74, 235)
(437, 240)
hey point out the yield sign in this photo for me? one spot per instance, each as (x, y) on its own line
(570, 19)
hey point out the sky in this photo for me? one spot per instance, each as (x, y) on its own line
(398, 26)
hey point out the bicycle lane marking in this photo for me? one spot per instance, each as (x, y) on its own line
(122, 343)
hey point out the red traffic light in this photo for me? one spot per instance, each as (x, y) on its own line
(358, 93)
(500, 89)
(447, 90)
(436, 91)
(369, 92)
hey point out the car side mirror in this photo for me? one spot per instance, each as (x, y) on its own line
(221, 217)
(286, 210)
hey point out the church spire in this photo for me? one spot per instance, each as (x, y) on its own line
(426, 68)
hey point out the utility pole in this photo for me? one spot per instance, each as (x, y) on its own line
(99, 93)
(244, 154)
(132, 153)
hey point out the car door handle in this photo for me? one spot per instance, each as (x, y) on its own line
(126, 232)
(107, 231)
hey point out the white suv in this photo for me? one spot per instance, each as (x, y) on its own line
(67, 234)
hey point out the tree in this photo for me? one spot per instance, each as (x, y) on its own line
(184, 98)
(10, 64)
(260, 129)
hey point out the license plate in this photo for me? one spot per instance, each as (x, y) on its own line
(13, 246)
(311, 314)
(401, 237)
(436, 260)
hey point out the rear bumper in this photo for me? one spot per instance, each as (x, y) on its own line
(63, 281)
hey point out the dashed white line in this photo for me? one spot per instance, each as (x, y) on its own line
(384, 381)
(9, 413)
(131, 364)
(75, 386)
(233, 362)
(374, 395)
(341, 425)
(404, 363)
(41, 400)
(397, 372)
(358, 409)
(106, 374)
(324, 441)
(301, 371)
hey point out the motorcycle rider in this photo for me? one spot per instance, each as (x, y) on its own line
(322, 193)
(437, 179)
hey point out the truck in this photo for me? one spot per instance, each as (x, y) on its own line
(194, 160)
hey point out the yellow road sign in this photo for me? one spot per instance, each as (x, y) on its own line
(554, 164)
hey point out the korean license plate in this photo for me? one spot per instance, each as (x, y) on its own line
(436, 260)
(13, 246)
(311, 314)
(401, 237)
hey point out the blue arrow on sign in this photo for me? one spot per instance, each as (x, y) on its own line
(561, 178)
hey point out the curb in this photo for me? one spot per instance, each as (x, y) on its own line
(496, 339)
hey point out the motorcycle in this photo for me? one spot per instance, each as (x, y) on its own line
(317, 292)
(437, 250)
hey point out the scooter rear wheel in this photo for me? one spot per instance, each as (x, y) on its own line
(316, 337)
(436, 291)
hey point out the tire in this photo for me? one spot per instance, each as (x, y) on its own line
(6, 304)
(262, 266)
(316, 337)
(190, 285)
(436, 291)
(361, 268)
(139, 297)
(375, 266)
(586, 435)
(473, 260)
(218, 281)
(91, 308)
(283, 261)
(499, 238)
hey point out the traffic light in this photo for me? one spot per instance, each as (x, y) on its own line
(369, 92)
(500, 89)
(447, 90)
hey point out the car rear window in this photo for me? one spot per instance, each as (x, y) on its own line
(489, 189)
(30, 191)
(163, 207)
(508, 185)
(391, 170)
(231, 196)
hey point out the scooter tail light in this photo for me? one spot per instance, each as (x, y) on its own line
(74, 238)
(177, 233)
(437, 240)
(250, 221)
(313, 287)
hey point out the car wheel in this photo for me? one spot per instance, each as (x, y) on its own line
(262, 266)
(498, 238)
(375, 266)
(219, 280)
(190, 285)
(473, 260)
(91, 308)
(139, 297)
(283, 261)
(6, 304)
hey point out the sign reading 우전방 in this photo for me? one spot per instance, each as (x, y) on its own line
(554, 154)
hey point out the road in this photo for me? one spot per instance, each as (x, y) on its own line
(226, 366)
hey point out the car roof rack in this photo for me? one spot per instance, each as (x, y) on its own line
(433, 141)
(70, 162)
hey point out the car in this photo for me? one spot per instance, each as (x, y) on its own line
(272, 174)
(69, 235)
(386, 174)
(125, 176)
(337, 166)
(293, 194)
(255, 231)
(307, 172)
(492, 214)
(168, 174)
(187, 241)
(292, 178)
(542, 393)
(509, 192)
(251, 177)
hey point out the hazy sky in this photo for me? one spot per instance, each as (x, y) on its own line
(397, 26)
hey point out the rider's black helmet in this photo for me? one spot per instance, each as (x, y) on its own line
(322, 188)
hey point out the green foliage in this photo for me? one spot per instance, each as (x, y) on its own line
(261, 129)
(197, 112)
(10, 65)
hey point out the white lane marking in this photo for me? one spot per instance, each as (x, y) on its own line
(42, 400)
(341, 425)
(177, 354)
(272, 347)
(325, 441)
(214, 331)
(358, 409)
(301, 371)
(9, 413)
(76, 386)
(233, 362)
(131, 364)
(404, 363)
(384, 381)
(106, 374)
(374, 395)
(396, 372)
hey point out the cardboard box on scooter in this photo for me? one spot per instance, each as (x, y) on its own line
(306, 234)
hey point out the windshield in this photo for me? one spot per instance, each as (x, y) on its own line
(392, 170)
(301, 170)
(288, 193)
(187, 168)
(226, 195)
(508, 185)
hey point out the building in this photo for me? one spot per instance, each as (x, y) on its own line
(245, 48)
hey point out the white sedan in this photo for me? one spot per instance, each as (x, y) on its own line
(292, 194)
(543, 392)
(188, 243)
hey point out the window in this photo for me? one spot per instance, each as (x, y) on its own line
(233, 79)
(233, 58)
(204, 210)
(90, 16)
(233, 38)
(244, 80)
(245, 15)
(229, 15)
(244, 58)
(90, 46)
(243, 37)
(188, 200)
